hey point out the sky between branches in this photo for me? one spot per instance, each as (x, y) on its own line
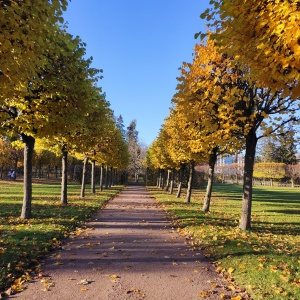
(139, 45)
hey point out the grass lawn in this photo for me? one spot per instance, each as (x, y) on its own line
(24, 242)
(265, 260)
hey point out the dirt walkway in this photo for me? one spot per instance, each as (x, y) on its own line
(129, 251)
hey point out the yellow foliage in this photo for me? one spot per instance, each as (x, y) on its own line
(264, 35)
(269, 170)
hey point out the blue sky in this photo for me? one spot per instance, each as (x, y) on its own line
(139, 45)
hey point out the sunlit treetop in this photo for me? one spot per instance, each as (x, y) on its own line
(28, 28)
(264, 34)
(207, 99)
(58, 99)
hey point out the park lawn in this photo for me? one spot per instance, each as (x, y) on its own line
(24, 242)
(265, 261)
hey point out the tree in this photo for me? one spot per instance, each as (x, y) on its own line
(11, 154)
(28, 28)
(286, 150)
(245, 112)
(293, 171)
(5, 153)
(180, 148)
(264, 35)
(159, 155)
(267, 149)
(204, 86)
(135, 163)
(281, 149)
(121, 126)
(269, 171)
(112, 151)
(52, 98)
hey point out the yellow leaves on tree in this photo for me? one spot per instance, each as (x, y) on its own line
(264, 35)
(206, 100)
(27, 29)
(269, 170)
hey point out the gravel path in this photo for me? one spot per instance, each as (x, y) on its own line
(128, 251)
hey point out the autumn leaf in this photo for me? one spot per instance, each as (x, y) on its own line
(236, 298)
(83, 282)
(224, 296)
(205, 293)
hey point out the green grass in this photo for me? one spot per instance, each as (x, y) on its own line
(24, 242)
(264, 260)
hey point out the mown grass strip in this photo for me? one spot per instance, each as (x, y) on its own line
(24, 242)
(264, 260)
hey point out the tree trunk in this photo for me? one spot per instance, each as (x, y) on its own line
(211, 164)
(116, 177)
(28, 153)
(162, 183)
(111, 178)
(85, 162)
(190, 183)
(179, 189)
(40, 172)
(292, 182)
(160, 179)
(101, 177)
(172, 182)
(93, 188)
(56, 173)
(251, 141)
(64, 178)
(168, 180)
(106, 177)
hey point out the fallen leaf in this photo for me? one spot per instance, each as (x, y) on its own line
(205, 293)
(83, 281)
(236, 298)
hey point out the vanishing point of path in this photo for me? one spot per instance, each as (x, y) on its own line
(128, 251)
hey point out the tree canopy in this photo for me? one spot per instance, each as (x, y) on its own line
(264, 34)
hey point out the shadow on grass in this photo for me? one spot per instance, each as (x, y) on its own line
(265, 194)
(264, 218)
(286, 211)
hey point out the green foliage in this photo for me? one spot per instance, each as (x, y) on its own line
(286, 150)
(265, 261)
(25, 242)
(136, 155)
(280, 149)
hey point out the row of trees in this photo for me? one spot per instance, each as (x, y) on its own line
(224, 103)
(49, 93)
